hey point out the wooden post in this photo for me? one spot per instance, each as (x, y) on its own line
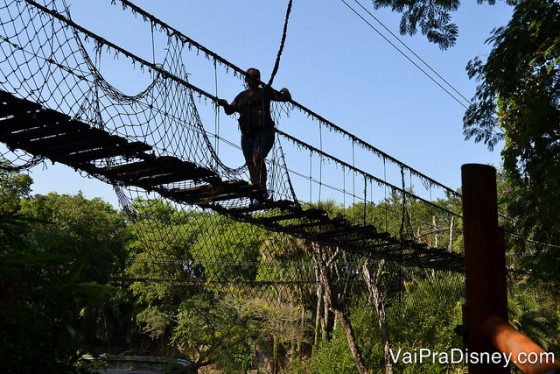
(485, 267)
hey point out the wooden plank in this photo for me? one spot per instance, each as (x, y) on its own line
(131, 171)
(155, 171)
(206, 193)
(112, 150)
(166, 178)
(31, 133)
(10, 105)
(205, 187)
(280, 217)
(20, 123)
(64, 144)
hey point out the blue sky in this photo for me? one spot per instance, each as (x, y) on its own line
(333, 63)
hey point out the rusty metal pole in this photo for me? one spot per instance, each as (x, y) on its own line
(528, 356)
(485, 267)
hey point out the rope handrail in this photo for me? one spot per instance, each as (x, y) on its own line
(365, 174)
(128, 54)
(208, 95)
(185, 39)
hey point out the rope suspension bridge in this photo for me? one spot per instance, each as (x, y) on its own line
(55, 104)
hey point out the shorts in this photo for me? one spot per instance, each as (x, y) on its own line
(262, 143)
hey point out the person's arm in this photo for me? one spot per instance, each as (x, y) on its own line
(282, 95)
(228, 108)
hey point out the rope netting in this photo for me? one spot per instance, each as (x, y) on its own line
(48, 59)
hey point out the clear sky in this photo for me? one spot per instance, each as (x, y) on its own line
(333, 63)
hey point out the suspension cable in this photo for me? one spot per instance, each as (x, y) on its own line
(277, 63)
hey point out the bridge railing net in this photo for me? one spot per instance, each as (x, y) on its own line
(181, 249)
(46, 61)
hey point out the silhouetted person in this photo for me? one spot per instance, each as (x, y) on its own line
(255, 123)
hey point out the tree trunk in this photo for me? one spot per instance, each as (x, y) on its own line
(380, 311)
(434, 225)
(450, 246)
(338, 312)
(327, 327)
(319, 320)
(274, 354)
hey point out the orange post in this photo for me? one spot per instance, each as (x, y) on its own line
(529, 357)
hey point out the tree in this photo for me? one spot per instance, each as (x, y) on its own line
(214, 331)
(13, 187)
(433, 18)
(160, 265)
(40, 309)
(89, 235)
(81, 230)
(379, 307)
(425, 315)
(42, 292)
(519, 101)
(325, 257)
(182, 261)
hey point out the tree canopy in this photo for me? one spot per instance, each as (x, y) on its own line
(432, 17)
(517, 101)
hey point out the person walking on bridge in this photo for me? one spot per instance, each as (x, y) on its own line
(255, 123)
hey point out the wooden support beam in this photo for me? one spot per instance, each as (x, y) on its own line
(485, 267)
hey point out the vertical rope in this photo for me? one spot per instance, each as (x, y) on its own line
(321, 160)
(386, 202)
(353, 174)
(344, 187)
(216, 113)
(365, 199)
(285, 31)
(311, 177)
(401, 231)
(152, 25)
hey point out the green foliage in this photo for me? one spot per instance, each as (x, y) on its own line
(13, 187)
(518, 100)
(91, 231)
(232, 252)
(433, 18)
(409, 219)
(425, 315)
(534, 312)
(176, 257)
(53, 251)
(333, 356)
(214, 331)
(161, 262)
(177, 261)
(40, 309)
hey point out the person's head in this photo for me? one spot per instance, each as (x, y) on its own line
(253, 77)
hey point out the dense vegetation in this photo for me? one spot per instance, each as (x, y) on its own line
(79, 276)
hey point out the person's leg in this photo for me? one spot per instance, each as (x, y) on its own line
(248, 147)
(263, 144)
(260, 168)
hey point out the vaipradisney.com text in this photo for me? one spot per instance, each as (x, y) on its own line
(464, 356)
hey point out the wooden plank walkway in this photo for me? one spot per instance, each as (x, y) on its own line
(44, 132)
